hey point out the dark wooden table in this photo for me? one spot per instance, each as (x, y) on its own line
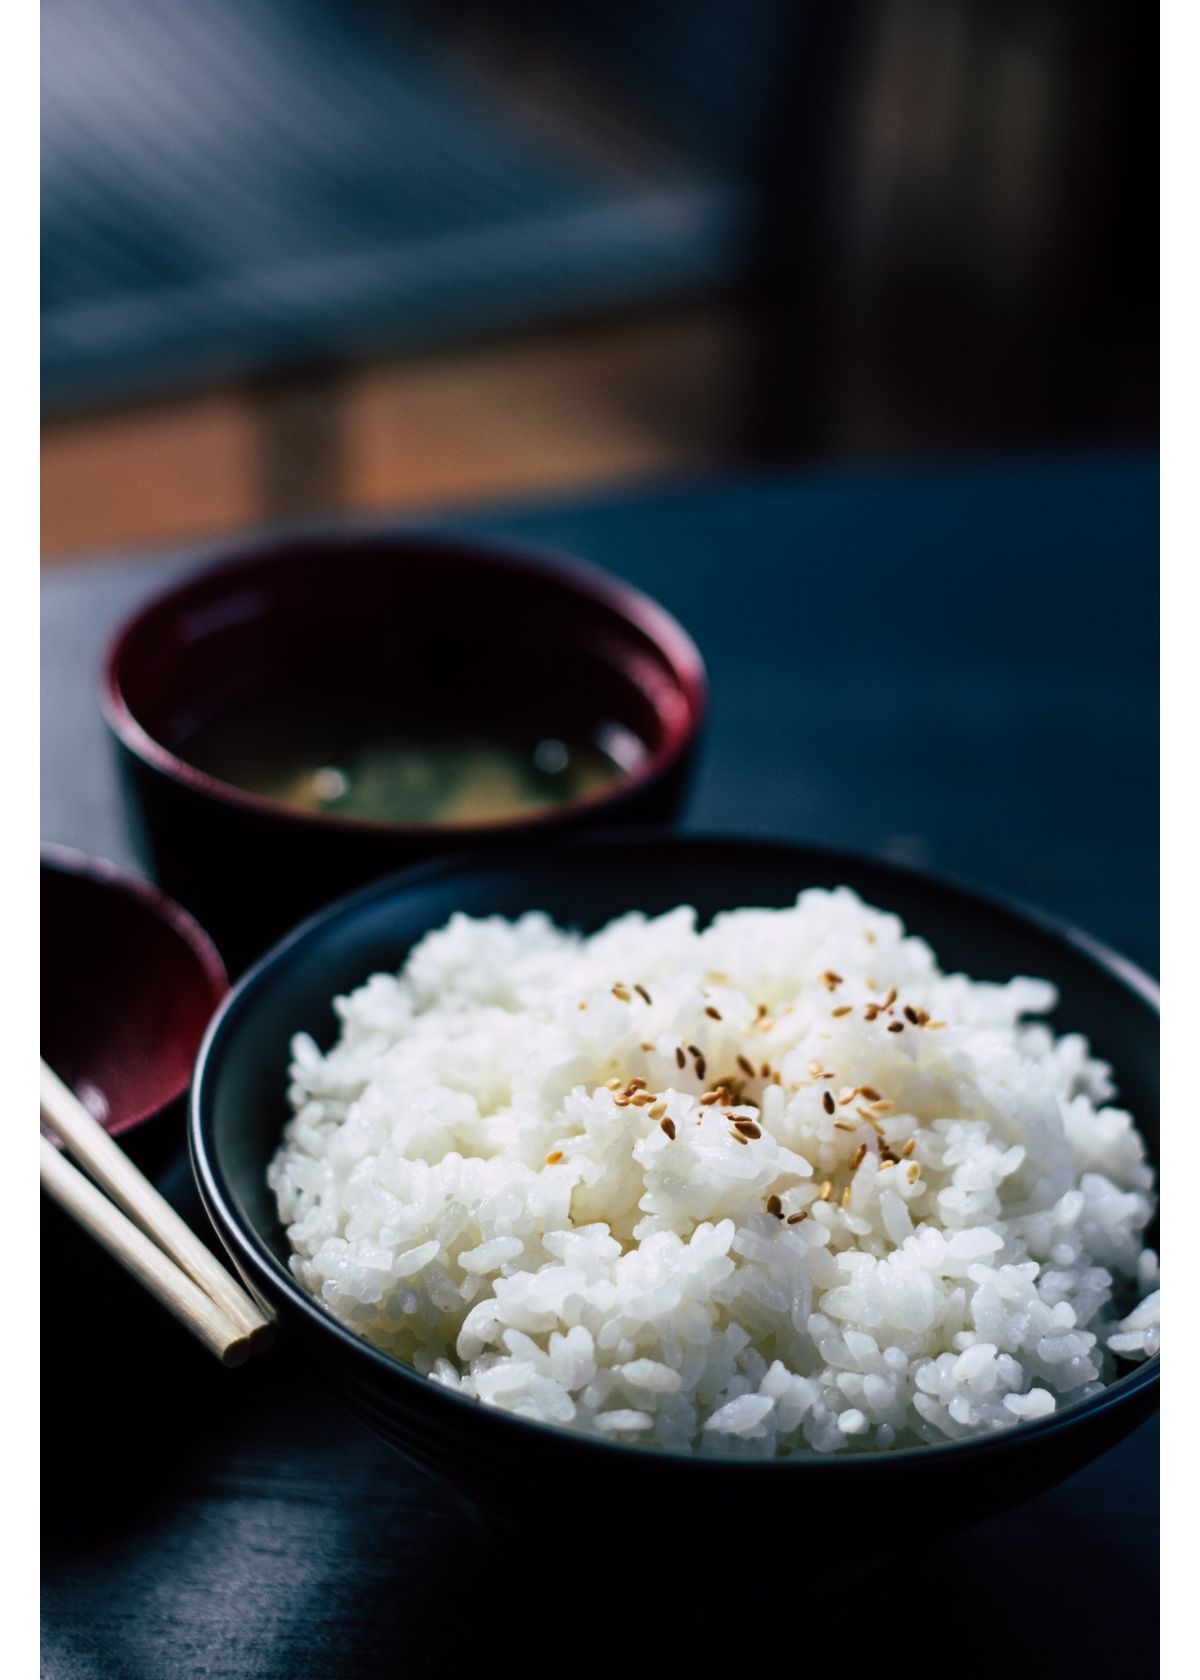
(954, 668)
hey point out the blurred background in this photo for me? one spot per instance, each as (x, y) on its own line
(308, 256)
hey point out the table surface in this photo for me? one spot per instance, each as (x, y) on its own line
(955, 668)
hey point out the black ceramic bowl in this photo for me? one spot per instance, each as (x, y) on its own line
(426, 632)
(518, 1467)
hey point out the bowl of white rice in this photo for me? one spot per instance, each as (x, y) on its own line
(716, 1171)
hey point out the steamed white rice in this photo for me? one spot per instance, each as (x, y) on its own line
(928, 1226)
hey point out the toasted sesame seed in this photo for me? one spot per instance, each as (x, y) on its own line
(738, 1138)
(635, 1084)
(760, 1011)
(583, 1003)
(884, 1165)
(869, 1091)
(934, 1025)
(795, 1218)
(659, 1109)
(914, 1171)
(668, 1126)
(643, 1099)
(827, 1190)
(827, 1102)
(910, 1015)
(881, 1105)
(621, 1102)
(612, 1084)
(777, 1078)
(865, 1114)
(815, 1069)
(889, 999)
(554, 1156)
(847, 1094)
(830, 979)
(843, 1009)
(746, 1065)
(765, 1071)
(748, 1128)
(713, 1014)
(647, 1047)
(895, 1026)
(909, 1147)
(709, 1098)
(858, 1157)
(701, 1067)
(775, 1206)
(844, 1126)
(642, 992)
(623, 993)
(680, 1058)
(846, 1196)
(870, 1010)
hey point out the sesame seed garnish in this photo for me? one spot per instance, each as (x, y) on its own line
(634, 1085)
(846, 1196)
(668, 1126)
(870, 1010)
(815, 1069)
(847, 1094)
(843, 1009)
(844, 1126)
(647, 1047)
(583, 1003)
(709, 1098)
(827, 1190)
(760, 1011)
(865, 1114)
(701, 1066)
(713, 1014)
(830, 980)
(746, 1065)
(881, 1105)
(554, 1156)
(858, 1157)
(889, 999)
(827, 1102)
(765, 1070)
(643, 1099)
(612, 1084)
(909, 1146)
(659, 1109)
(895, 1026)
(795, 1218)
(621, 1102)
(748, 1128)
(911, 1016)
(933, 1026)
(777, 1078)
(775, 1206)
(680, 1058)
(738, 1138)
(884, 1165)
(869, 1091)
(914, 1171)
(623, 993)
(642, 993)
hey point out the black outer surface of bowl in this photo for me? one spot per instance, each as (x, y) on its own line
(438, 622)
(523, 1470)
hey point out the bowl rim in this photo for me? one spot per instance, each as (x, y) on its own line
(68, 861)
(549, 565)
(264, 1267)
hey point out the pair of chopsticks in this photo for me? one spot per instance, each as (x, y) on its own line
(152, 1243)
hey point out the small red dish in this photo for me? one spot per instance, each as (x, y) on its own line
(128, 984)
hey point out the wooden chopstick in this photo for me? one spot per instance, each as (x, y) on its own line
(92, 1209)
(115, 1172)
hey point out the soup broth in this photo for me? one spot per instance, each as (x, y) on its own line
(367, 768)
